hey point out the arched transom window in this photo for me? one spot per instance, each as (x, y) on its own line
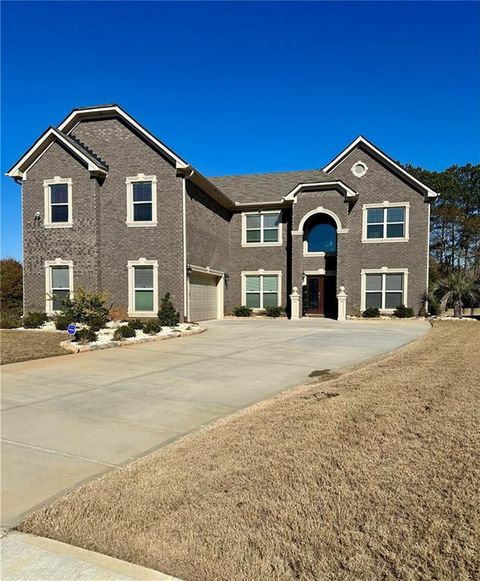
(320, 234)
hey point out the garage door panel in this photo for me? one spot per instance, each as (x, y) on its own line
(203, 296)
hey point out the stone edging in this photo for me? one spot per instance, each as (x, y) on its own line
(74, 348)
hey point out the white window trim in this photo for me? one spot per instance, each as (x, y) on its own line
(246, 244)
(131, 287)
(48, 281)
(261, 272)
(130, 181)
(383, 270)
(384, 205)
(47, 219)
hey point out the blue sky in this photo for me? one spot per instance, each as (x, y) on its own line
(246, 87)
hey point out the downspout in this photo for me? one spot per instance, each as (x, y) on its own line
(184, 227)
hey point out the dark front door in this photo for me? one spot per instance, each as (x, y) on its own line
(314, 299)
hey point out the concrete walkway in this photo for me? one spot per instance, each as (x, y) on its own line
(30, 558)
(68, 419)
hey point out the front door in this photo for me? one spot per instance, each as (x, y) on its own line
(314, 295)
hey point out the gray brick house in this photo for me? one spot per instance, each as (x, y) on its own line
(107, 206)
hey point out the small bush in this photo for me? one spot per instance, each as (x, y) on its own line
(242, 311)
(403, 312)
(152, 328)
(371, 313)
(85, 335)
(10, 321)
(274, 311)
(136, 324)
(118, 314)
(62, 321)
(123, 332)
(167, 315)
(34, 320)
(88, 308)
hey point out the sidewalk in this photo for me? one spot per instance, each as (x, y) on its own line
(29, 558)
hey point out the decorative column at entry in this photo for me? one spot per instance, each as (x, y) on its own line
(295, 304)
(342, 304)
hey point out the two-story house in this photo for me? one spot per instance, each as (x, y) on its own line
(108, 206)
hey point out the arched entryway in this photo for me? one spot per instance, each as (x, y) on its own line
(320, 285)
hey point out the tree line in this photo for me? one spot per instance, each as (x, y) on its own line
(455, 219)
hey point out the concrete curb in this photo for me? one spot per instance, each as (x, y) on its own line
(29, 557)
(74, 348)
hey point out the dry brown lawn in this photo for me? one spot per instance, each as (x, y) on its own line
(372, 475)
(24, 345)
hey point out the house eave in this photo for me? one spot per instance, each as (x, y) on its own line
(350, 195)
(377, 153)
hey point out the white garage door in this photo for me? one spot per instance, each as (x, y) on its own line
(203, 296)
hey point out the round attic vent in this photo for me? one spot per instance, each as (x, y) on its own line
(359, 169)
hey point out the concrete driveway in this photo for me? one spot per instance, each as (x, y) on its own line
(68, 419)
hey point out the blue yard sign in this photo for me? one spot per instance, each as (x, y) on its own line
(71, 329)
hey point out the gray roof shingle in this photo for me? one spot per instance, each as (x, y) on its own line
(265, 187)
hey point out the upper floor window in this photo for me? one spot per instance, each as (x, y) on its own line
(59, 283)
(262, 228)
(320, 235)
(141, 200)
(386, 222)
(58, 202)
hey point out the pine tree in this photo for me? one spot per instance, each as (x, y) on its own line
(167, 315)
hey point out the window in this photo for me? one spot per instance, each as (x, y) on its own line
(261, 290)
(262, 228)
(58, 202)
(143, 287)
(322, 237)
(385, 290)
(387, 222)
(59, 283)
(142, 200)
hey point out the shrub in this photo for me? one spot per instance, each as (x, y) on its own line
(10, 320)
(274, 311)
(371, 313)
(242, 311)
(85, 335)
(34, 320)
(88, 308)
(62, 321)
(136, 324)
(97, 321)
(167, 315)
(403, 312)
(123, 332)
(118, 314)
(152, 328)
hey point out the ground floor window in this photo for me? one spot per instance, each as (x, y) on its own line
(384, 290)
(261, 290)
(59, 283)
(143, 287)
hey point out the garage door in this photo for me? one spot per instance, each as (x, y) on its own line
(203, 296)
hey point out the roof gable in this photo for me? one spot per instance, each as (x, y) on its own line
(99, 112)
(94, 165)
(376, 153)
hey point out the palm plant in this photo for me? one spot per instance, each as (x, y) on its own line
(456, 289)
